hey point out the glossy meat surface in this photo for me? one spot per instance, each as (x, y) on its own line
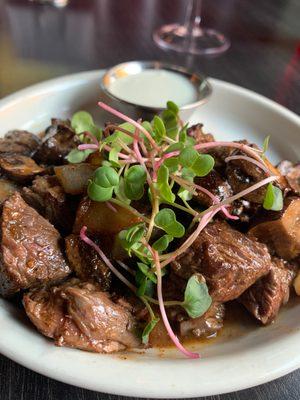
(58, 141)
(269, 293)
(30, 248)
(229, 260)
(49, 199)
(86, 262)
(78, 314)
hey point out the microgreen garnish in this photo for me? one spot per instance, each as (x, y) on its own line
(273, 198)
(101, 187)
(265, 145)
(196, 297)
(162, 243)
(82, 121)
(148, 329)
(134, 181)
(166, 220)
(157, 161)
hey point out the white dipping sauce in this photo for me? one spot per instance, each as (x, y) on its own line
(153, 88)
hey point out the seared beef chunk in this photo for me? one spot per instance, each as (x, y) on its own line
(86, 262)
(229, 260)
(20, 142)
(196, 132)
(30, 248)
(245, 210)
(7, 188)
(48, 198)
(58, 141)
(216, 185)
(19, 168)
(241, 174)
(207, 325)
(78, 314)
(292, 174)
(268, 294)
(282, 231)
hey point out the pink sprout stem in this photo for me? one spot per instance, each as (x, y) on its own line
(190, 240)
(88, 146)
(166, 322)
(88, 241)
(91, 137)
(130, 120)
(240, 146)
(110, 206)
(251, 160)
(139, 155)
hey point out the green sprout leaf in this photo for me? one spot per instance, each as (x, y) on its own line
(106, 177)
(134, 181)
(148, 329)
(200, 164)
(183, 193)
(164, 188)
(273, 198)
(135, 233)
(98, 193)
(77, 156)
(162, 243)
(172, 107)
(171, 123)
(120, 191)
(172, 164)
(146, 271)
(101, 186)
(166, 220)
(82, 121)
(196, 297)
(131, 237)
(158, 129)
(145, 287)
(265, 146)
(119, 136)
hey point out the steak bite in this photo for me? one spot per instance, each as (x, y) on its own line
(229, 260)
(20, 142)
(78, 314)
(281, 232)
(30, 248)
(86, 262)
(49, 199)
(196, 132)
(19, 168)
(213, 182)
(58, 141)
(268, 294)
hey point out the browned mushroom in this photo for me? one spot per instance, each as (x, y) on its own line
(19, 168)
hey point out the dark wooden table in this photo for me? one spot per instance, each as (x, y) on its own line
(39, 42)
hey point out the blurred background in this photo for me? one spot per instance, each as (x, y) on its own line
(39, 41)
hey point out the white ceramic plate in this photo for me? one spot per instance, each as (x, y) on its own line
(252, 357)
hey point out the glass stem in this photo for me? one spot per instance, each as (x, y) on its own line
(193, 17)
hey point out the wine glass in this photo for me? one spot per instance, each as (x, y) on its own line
(191, 37)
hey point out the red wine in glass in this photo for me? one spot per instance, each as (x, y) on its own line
(191, 37)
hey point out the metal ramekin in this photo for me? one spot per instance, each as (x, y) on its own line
(136, 111)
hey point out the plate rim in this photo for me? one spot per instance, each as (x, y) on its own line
(85, 76)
